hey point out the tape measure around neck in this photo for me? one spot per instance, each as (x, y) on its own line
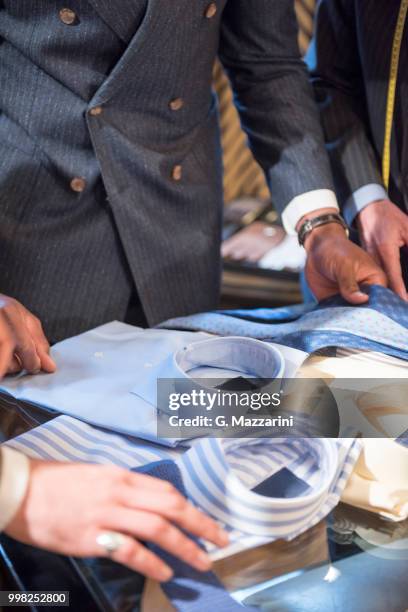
(392, 86)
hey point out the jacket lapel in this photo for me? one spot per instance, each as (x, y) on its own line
(123, 17)
(157, 25)
(153, 27)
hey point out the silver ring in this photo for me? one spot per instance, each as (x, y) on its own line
(17, 358)
(111, 541)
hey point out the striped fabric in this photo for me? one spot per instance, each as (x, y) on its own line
(67, 439)
(220, 475)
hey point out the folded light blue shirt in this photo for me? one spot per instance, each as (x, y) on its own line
(108, 376)
(97, 371)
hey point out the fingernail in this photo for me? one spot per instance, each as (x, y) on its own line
(360, 294)
(165, 574)
(204, 560)
(223, 538)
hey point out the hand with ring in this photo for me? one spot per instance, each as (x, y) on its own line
(91, 510)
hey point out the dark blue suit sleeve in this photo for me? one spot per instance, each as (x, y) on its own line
(259, 50)
(336, 71)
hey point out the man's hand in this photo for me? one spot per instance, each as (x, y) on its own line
(67, 506)
(23, 344)
(383, 229)
(336, 265)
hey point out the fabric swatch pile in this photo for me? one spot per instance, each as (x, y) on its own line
(380, 325)
(259, 489)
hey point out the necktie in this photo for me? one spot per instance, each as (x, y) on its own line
(188, 590)
(380, 325)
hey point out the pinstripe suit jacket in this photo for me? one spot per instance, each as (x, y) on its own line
(73, 258)
(349, 60)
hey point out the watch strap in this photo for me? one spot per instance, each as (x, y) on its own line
(310, 224)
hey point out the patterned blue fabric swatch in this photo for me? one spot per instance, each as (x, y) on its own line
(379, 325)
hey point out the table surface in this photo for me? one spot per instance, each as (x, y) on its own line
(352, 558)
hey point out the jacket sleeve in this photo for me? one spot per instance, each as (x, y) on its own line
(259, 50)
(14, 475)
(337, 78)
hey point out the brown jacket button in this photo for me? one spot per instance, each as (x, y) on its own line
(176, 104)
(211, 10)
(176, 173)
(95, 111)
(67, 16)
(78, 184)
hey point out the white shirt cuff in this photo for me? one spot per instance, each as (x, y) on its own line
(361, 198)
(305, 203)
(15, 472)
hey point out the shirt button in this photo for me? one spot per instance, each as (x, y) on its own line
(211, 10)
(176, 104)
(176, 173)
(95, 111)
(78, 184)
(67, 16)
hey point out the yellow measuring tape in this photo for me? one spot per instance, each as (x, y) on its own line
(392, 86)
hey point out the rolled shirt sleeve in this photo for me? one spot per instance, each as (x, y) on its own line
(14, 476)
(304, 204)
(361, 198)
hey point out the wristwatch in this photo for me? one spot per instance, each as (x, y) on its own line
(310, 224)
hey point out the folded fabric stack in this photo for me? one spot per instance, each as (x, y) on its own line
(379, 481)
(259, 489)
